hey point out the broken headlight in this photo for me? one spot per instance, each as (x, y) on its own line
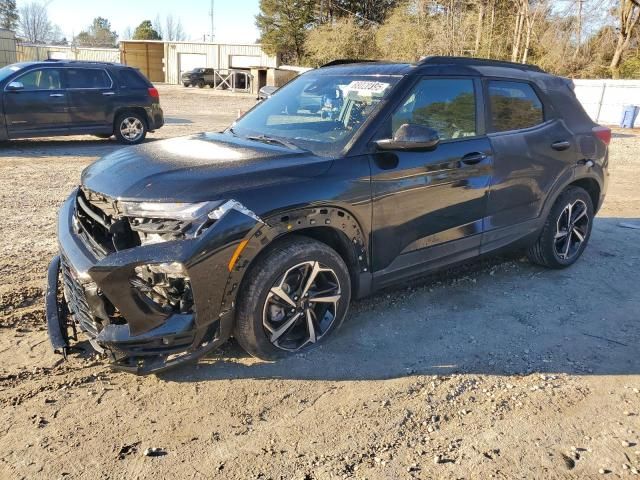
(162, 222)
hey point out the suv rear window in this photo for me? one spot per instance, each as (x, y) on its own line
(131, 78)
(514, 105)
(87, 78)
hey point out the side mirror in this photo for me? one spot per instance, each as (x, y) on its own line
(411, 137)
(15, 87)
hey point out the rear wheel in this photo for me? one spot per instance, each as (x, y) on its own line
(200, 84)
(566, 232)
(295, 296)
(130, 128)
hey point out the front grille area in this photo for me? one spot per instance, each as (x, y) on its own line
(75, 296)
(99, 226)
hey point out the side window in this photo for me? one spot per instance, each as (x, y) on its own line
(45, 79)
(514, 105)
(87, 78)
(131, 78)
(446, 105)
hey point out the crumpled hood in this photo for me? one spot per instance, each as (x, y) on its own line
(205, 166)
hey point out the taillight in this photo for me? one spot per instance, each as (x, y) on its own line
(153, 93)
(603, 133)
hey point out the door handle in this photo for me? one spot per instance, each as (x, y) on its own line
(473, 158)
(108, 93)
(56, 95)
(561, 145)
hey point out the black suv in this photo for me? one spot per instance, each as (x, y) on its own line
(199, 77)
(50, 98)
(267, 230)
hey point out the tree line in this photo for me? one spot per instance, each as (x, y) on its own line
(32, 24)
(575, 38)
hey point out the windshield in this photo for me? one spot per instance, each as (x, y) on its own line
(8, 70)
(317, 112)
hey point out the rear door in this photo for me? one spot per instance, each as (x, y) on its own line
(532, 149)
(91, 93)
(428, 206)
(40, 106)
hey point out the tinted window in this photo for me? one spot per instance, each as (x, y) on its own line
(87, 78)
(132, 79)
(514, 105)
(446, 105)
(45, 79)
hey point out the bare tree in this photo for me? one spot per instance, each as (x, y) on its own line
(173, 29)
(629, 14)
(34, 24)
(157, 26)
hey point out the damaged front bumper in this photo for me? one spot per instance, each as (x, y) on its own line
(102, 297)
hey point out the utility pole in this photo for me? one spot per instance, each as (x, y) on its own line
(212, 33)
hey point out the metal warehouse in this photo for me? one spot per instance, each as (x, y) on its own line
(7, 47)
(163, 61)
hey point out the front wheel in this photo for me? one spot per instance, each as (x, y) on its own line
(294, 297)
(566, 232)
(200, 84)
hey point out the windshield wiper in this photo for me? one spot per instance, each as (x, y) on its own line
(272, 140)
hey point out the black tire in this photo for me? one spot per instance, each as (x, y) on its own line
(185, 84)
(200, 84)
(132, 118)
(545, 251)
(250, 331)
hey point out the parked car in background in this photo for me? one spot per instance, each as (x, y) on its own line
(268, 230)
(60, 97)
(199, 77)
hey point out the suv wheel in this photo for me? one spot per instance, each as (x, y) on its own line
(185, 84)
(200, 84)
(566, 231)
(295, 296)
(130, 128)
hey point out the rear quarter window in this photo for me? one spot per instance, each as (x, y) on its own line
(130, 78)
(513, 106)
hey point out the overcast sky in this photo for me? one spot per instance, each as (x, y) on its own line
(234, 19)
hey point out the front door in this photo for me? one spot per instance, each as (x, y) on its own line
(91, 95)
(39, 106)
(428, 206)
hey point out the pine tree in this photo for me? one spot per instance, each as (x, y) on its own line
(8, 14)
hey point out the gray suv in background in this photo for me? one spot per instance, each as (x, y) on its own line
(59, 97)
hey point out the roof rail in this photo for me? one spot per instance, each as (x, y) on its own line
(471, 61)
(344, 61)
(78, 61)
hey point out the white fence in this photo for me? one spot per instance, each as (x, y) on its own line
(604, 100)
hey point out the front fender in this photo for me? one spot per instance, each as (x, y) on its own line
(283, 223)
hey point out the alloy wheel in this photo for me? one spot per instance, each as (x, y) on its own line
(571, 230)
(301, 306)
(131, 129)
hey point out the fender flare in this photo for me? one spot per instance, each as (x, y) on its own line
(277, 226)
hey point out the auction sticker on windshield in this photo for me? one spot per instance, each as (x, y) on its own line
(364, 87)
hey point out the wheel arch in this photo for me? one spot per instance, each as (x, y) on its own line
(138, 110)
(591, 186)
(333, 226)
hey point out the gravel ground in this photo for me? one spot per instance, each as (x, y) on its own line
(498, 369)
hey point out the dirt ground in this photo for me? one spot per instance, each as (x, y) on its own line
(499, 369)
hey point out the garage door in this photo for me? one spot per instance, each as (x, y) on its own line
(189, 61)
